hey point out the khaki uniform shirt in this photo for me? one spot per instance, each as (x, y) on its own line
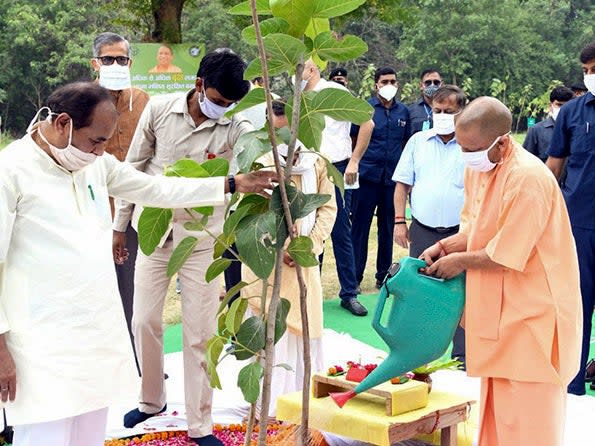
(166, 133)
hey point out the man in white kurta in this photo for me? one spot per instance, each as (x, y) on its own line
(61, 320)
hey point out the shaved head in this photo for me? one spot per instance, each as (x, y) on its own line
(486, 116)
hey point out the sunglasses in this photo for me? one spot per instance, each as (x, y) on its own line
(432, 81)
(109, 60)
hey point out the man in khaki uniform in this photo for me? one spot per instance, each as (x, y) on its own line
(111, 61)
(182, 125)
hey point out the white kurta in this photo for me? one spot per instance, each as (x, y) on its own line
(59, 302)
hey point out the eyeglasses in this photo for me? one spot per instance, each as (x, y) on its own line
(429, 82)
(109, 60)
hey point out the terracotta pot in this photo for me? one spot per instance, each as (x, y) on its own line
(424, 377)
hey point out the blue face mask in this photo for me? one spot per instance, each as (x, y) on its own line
(209, 108)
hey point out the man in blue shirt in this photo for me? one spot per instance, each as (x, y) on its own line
(539, 136)
(420, 112)
(574, 141)
(376, 188)
(431, 168)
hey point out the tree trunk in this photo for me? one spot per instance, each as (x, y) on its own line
(168, 16)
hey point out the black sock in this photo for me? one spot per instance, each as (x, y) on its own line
(135, 416)
(209, 440)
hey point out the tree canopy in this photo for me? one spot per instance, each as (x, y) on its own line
(513, 48)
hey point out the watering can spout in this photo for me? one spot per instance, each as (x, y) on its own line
(421, 322)
(340, 398)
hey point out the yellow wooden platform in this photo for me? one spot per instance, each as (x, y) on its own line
(398, 398)
(364, 418)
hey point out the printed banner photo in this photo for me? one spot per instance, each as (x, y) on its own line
(160, 68)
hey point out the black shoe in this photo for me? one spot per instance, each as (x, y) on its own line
(592, 386)
(209, 440)
(358, 290)
(353, 305)
(135, 416)
(379, 284)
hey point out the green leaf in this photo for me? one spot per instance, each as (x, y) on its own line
(185, 167)
(268, 26)
(300, 250)
(216, 268)
(316, 27)
(216, 167)
(254, 69)
(298, 13)
(249, 381)
(311, 123)
(258, 204)
(284, 134)
(311, 202)
(220, 246)
(334, 175)
(214, 349)
(281, 318)
(254, 97)
(284, 366)
(221, 328)
(180, 255)
(152, 225)
(335, 8)
(342, 106)
(231, 222)
(251, 335)
(283, 54)
(232, 291)
(207, 211)
(235, 315)
(197, 225)
(251, 146)
(330, 47)
(244, 8)
(251, 236)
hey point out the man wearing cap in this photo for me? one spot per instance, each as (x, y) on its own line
(420, 112)
(339, 75)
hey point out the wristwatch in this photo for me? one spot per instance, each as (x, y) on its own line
(231, 180)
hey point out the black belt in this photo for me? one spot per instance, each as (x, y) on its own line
(439, 230)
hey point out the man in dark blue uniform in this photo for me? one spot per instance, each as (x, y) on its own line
(539, 136)
(376, 187)
(420, 112)
(574, 140)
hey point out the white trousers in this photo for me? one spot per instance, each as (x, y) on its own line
(87, 429)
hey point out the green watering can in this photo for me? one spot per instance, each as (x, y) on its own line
(423, 318)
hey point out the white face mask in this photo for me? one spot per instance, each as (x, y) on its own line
(209, 108)
(589, 81)
(114, 77)
(554, 112)
(303, 82)
(479, 160)
(69, 157)
(388, 92)
(444, 123)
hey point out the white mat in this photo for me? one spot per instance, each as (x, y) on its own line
(230, 407)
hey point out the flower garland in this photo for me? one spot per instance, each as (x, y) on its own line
(230, 435)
